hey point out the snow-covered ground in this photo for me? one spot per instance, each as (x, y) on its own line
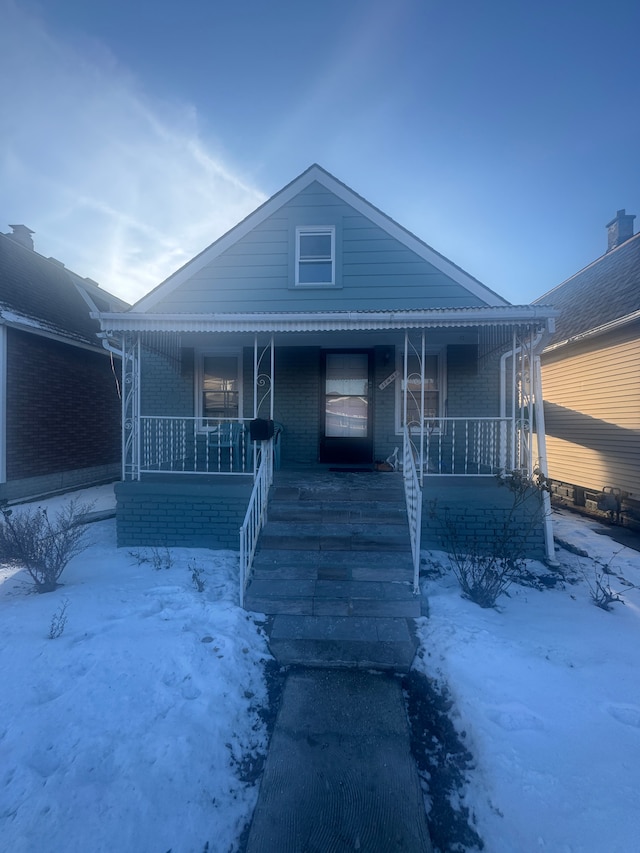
(128, 731)
(547, 689)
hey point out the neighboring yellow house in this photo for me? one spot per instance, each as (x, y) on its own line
(591, 380)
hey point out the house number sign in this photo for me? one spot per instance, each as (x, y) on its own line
(391, 378)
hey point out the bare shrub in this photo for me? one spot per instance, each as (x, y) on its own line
(158, 556)
(58, 621)
(602, 595)
(197, 576)
(161, 558)
(486, 566)
(42, 545)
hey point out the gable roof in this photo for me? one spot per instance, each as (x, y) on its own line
(342, 191)
(603, 294)
(41, 296)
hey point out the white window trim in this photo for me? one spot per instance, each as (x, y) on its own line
(199, 379)
(315, 229)
(442, 384)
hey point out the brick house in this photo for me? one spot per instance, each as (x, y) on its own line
(59, 406)
(324, 319)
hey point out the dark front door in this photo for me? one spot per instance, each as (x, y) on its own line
(346, 412)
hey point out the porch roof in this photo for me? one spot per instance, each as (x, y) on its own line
(330, 321)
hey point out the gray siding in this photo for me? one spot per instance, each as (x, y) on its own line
(374, 270)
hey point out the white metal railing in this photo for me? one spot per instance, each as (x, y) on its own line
(194, 446)
(413, 497)
(469, 446)
(256, 515)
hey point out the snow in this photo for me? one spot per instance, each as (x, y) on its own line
(129, 730)
(546, 689)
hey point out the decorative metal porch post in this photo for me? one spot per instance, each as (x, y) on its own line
(130, 406)
(263, 378)
(410, 348)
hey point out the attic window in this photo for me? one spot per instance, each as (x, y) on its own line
(315, 257)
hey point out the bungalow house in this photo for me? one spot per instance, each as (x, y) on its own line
(591, 371)
(59, 406)
(318, 332)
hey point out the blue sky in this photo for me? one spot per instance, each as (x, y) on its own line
(505, 134)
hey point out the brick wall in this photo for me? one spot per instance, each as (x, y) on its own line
(385, 437)
(181, 514)
(297, 396)
(473, 386)
(63, 410)
(478, 508)
(167, 384)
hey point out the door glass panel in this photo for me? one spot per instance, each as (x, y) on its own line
(346, 395)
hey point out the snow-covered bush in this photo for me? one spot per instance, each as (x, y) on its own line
(44, 546)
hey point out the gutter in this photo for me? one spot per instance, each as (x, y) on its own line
(611, 326)
(41, 331)
(104, 340)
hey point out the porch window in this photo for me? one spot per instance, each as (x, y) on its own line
(219, 386)
(315, 257)
(433, 384)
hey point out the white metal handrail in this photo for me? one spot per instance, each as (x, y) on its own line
(413, 497)
(256, 515)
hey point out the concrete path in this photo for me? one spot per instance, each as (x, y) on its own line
(339, 775)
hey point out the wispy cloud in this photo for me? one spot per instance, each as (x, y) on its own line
(116, 184)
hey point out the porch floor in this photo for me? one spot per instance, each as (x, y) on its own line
(334, 570)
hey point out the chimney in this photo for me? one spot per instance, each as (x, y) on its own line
(22, 234)
(620, 229)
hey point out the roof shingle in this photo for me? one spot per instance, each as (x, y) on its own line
(42, 294)
(606, 290)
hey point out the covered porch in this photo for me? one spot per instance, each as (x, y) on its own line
(213, 404)
(466, 393)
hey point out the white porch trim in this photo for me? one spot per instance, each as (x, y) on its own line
(330, 321)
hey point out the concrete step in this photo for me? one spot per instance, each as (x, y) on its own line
(338, 512)
(342, 489)
(332, 598)
(335, 641)
(334, 537)
(333, 565)
(334, 570)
